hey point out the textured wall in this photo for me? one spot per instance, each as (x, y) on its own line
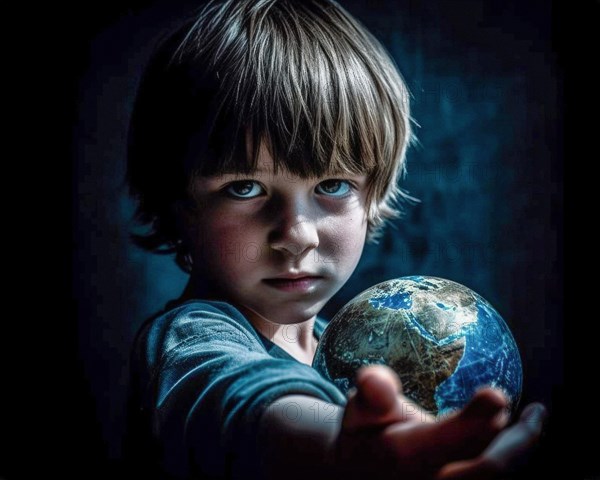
(486, 97)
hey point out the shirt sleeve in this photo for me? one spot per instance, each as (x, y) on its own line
(209, 380)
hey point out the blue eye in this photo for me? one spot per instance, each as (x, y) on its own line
(335, 188)
(242, 189)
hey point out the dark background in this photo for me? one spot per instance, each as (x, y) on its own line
(487, 81)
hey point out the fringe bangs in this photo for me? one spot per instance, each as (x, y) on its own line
(304, 80)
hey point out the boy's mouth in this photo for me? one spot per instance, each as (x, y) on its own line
(294, 282)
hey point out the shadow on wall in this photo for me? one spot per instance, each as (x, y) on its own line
(484, 81)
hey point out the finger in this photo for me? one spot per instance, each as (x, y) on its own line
(486, 413)
(377, 388)
(470, 430)
(505, 453)
(486, 403)
(512, 445)
(533, 416)
(462, 435)
(377, 401)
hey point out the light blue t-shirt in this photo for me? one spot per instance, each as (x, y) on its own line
(202, 377)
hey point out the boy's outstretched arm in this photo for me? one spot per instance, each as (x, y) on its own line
(297, 438)
(382, 434)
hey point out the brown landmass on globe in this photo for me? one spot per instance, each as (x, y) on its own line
(391, 337)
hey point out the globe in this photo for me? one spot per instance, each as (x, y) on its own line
(442, 339)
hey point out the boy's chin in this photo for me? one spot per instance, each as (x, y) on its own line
(285, 314)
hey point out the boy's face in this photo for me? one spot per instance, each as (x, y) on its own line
(249, 230)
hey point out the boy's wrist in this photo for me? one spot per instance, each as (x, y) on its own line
(338, 460)
(352, 455)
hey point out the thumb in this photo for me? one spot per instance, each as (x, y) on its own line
(377, 387)
(376, 401)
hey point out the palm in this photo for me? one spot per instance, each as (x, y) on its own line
(384, 429)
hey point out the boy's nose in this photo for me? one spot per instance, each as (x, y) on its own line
(295, 235)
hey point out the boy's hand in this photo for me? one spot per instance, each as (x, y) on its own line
(384, 434)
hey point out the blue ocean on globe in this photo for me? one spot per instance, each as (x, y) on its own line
(443, 340)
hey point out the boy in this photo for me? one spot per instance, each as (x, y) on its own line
(265, 147)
